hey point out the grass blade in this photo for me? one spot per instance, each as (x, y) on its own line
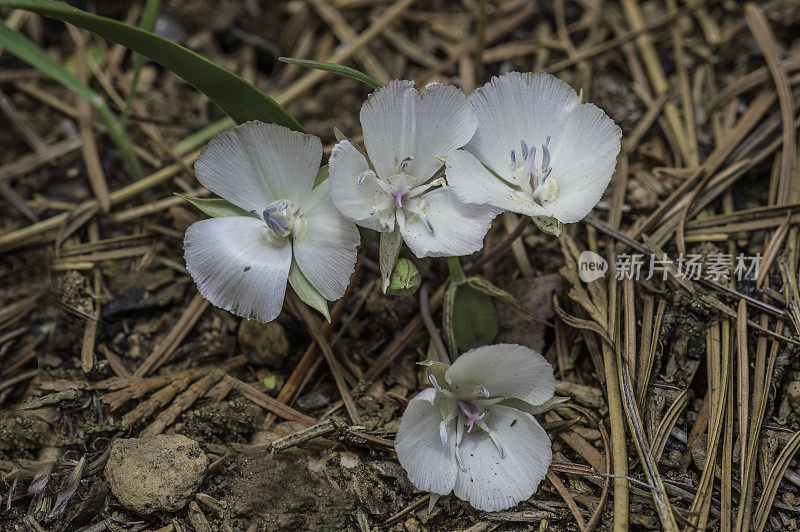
(239, 99)
(332, 67)
(28, 51)
(149, 18)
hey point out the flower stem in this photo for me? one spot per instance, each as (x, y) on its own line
(457, 276)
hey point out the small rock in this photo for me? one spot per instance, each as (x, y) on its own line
(156, 473)
(349, 460)
(793, 392)
(264, 344)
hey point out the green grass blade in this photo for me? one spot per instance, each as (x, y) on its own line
(149, 18)
(240, 100)
(28, 51)
(333, 67)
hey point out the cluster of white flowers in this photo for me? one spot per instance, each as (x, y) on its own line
(437, 169)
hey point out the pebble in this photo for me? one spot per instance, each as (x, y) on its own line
(264, 344)
(155, 473)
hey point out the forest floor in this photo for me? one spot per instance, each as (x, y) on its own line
(109, 357)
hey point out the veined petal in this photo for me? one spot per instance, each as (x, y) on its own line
(389, 122)
(472, 182)
(507, 370)
(236, 268)
(355, 201)
(445, 122)
(585, 153)
(430, 465)
(515, 107)
(492, 483)
(437, 224)
(254, 164)
(325, 246)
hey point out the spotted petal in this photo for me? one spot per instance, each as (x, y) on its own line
(585, 153)
(507, 370)
(348, 168)
(473, 183)
(492, 482)
(430, 465)
(443, 226)
(254, 164)
(325, 247)
(236, 268)
(515, 107)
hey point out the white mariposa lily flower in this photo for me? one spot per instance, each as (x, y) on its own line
(399, 191)
(537, 150)
(474, 432)
(241, 263)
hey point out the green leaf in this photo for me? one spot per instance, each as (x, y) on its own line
(333, 67)
(474, 318)
(216, 207)
(322, 174)
(149, 19)
(239, 99)
(28, 51)
(306, 291)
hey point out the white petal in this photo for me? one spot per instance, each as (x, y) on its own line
(492, 483)
(356, 201)
(584, 154)
(430, 465)
(325, 247)
(472, 182)
(516, 107)
(458, 228)
(235, 267)
(508, 370)
(389, 122)
(445, 122)
(254, 164)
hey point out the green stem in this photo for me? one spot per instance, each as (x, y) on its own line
(457, 276)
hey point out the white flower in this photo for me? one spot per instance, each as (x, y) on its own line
(398, 191)
(473, 433)
(241, 263)
(537, 150)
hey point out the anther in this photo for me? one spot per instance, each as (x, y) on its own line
(427, 222)
(545, 157)
(404, 162)
(443, 432)
(524, 146)
(364, 175)
(513, 160)
(482, 390)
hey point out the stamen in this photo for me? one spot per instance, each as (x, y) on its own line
(372, 212)
(493, 435)
(482, 390)
(253, 212)
(443, 432)
(545, 156)
(458, 459)
(364, 175)
(281, 206)
(404, 162)
(513, 160)
(527, 171)
(427, 221)
(524, 148)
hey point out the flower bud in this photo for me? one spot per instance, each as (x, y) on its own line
(405, 279)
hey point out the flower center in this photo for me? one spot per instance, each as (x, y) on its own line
(536, 181)
(400, 187)
(281, 219)
(471, 413)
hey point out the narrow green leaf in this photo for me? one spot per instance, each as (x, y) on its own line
(201, 137)
(149, 19)
(28, 51)
(323, 174)
(216, 207)
(306, 291)
(474, 318)
(239, 99)
(333, 67)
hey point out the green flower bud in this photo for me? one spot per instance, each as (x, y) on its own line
(405, 279)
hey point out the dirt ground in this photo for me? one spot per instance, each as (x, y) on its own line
(104, 338)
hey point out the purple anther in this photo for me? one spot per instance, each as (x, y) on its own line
(524, 146)
(471, 412)
(545, 158)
